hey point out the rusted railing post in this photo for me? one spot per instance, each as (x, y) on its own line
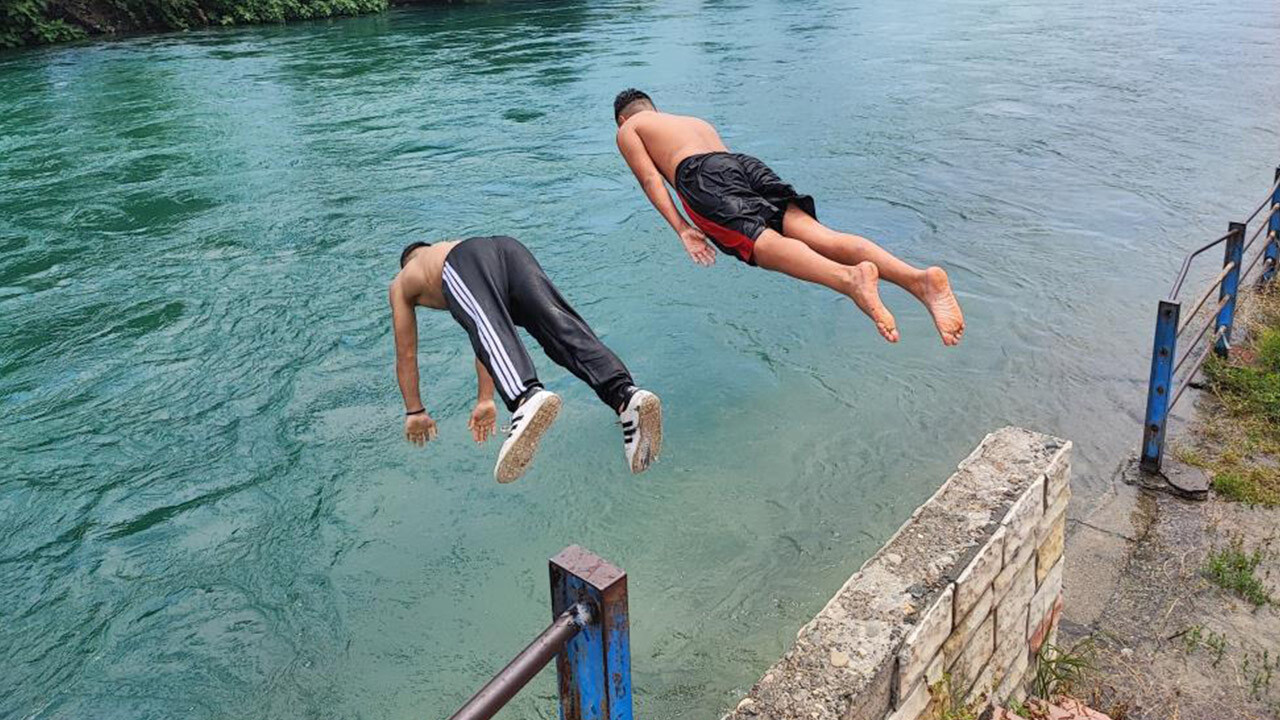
(594, 670)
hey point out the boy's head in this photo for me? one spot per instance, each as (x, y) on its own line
(629, 102)
(409, 250)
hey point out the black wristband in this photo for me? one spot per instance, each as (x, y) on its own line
(419, 411)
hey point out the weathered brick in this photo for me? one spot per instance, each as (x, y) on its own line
(1046, 594)
(1014, 673)
(981, 687)
(965, 670)
(965, 628)
(1057, 509)
(976, 579)
(914, 703)
(932, 674)
(1050, 550)
(1021, 520)
(1015, 601)
(1011, 624)
(1047, 629)
(926, 639)
(1058, 474)
(1000, 587)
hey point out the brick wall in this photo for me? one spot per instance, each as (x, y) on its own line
(951, 609)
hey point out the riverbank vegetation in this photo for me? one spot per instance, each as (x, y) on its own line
(1239, 439)
(37, 22)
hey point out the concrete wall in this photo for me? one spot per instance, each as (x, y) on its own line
(951, 610)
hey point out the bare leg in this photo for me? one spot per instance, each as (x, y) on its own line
(792, 257)
(930, 286)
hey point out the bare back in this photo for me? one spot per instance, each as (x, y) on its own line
(671, 138)
(420, 279)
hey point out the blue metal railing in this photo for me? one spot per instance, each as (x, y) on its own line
(1170, 325)
(589, 639)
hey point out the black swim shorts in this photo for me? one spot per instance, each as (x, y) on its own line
(733, 197)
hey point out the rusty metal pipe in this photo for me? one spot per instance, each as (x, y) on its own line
(498, 692)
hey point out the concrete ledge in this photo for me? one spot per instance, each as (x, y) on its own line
(960, 571)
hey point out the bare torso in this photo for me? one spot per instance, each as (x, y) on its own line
(421, 277)
(671, 138)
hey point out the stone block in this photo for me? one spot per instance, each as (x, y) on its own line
(1058, 475)
(1015, 602)
(914, 703)
(924, 641)
(980, 689)
(1047, 629)
(1050, 550)
(1000, 587)
(976, 579)
(1056, 510)
(1047, 591)
(1021, 520)
(1011, 624)
(965, 628)
(1014, 674)
(974, 656)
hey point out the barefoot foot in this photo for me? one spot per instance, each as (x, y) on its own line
(937, 296)
(865, 292)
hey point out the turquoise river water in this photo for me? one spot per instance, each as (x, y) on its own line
(207, 509)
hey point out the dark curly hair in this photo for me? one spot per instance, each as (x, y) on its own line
(626, 97)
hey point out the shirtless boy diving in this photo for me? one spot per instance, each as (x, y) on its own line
(491, 285)
(751, 214)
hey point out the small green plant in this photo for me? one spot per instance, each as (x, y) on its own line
(946, 705)
(1260, 677)
(1019, 708)
(1060, 670)
(1231, 568)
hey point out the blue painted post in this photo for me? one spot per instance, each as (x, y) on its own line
(1230, 285)
(1160, 385)
(1273, 236)
(594, 670)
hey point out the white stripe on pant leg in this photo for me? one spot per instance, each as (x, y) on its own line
(501, 360)
(501, 349)
(498, 369)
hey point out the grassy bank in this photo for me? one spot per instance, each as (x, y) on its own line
(37, 22)
(1238, 442)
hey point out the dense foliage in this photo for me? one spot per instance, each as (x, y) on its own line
(32, 22)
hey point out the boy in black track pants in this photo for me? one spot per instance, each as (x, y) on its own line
(491, 285)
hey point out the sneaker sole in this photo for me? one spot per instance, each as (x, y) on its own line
(650, 434)
(518, 458)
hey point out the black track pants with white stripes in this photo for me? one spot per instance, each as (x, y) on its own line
(492, 285)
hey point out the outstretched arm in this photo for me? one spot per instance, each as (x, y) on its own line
(418, 427)
(637, 157)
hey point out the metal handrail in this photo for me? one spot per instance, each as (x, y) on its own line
(511, 679)
(1213, 319)
(1270, 194)
(1207, 292)
(1165, 363)
(1186, 265)
(1204, 354)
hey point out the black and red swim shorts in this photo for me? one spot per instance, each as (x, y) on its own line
(733, 197)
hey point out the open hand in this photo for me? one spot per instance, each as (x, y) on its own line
(484, 420)
(695, 243)
(420, 428)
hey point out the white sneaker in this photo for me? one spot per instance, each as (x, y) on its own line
(528, 424)
(641, 430)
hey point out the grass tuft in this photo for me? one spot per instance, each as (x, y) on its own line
(1231, 568)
